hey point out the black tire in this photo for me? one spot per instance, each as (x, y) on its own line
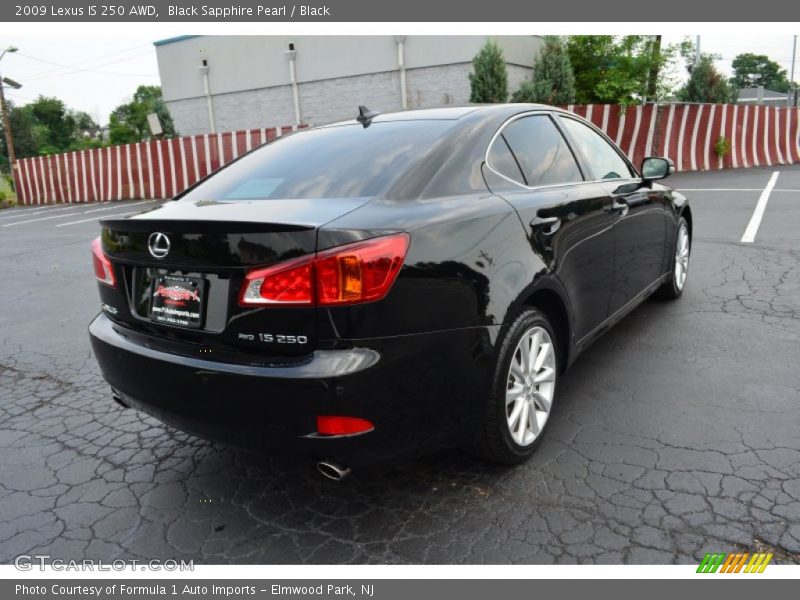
(670, 290)
(496, 443)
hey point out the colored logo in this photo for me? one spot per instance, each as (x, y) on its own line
(176, 292)
(739, 562)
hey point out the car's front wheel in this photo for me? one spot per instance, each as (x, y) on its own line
(672, 288)
(523, 389)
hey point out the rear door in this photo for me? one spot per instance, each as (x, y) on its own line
(639, 214)
(568, 219)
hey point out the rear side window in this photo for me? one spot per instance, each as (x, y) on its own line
(347, 161)
(539, 151)
(604, 160)
(502, 160)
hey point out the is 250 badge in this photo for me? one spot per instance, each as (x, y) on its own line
(274, 338)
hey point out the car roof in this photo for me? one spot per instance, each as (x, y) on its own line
(447, 113)
(451, 113)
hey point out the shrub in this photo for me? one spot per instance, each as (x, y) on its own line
(488, 81)
(552, 81)
(707, 84)
(722, 146)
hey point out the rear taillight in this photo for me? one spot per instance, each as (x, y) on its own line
(351, 274)
(287, 283)
(360, 272)
(102, 266)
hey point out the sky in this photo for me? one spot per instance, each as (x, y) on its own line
(97, 73)
(89, 73)
(777, 47)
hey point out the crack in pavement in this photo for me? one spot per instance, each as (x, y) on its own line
(675, 435)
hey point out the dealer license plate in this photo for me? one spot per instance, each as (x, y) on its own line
(177, 300)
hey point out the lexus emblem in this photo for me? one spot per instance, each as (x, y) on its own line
(158, 244)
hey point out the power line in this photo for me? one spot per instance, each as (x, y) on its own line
(155, 75)
(94, 69)
(89, 60)
(14, 92)
(71, 70)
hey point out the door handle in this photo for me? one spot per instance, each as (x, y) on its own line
(620, 206)
(547, 225)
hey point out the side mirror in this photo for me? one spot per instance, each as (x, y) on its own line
(656, 167)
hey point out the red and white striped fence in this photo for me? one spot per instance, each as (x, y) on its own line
(154, 169)
(686, 133)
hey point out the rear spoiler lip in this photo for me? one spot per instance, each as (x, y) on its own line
(201, 226)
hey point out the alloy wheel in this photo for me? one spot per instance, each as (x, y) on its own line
(681, 256)
(530, 386)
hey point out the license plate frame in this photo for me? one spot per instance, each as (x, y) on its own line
(177, 300)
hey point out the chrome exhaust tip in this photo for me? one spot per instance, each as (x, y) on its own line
(332, 470)
(116, 398)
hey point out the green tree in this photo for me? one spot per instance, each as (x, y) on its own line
(22, 129)
(620, 69)
(752, 70)
(45, 126)
(488, 81)
(706, 84)
(55, 124)
(552, 81)
(128, 122)
(84, 120)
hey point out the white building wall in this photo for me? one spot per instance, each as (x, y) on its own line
(250, 86)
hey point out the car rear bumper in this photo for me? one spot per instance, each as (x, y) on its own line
(420, 391)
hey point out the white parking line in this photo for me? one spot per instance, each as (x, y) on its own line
(39, 219)
(133, 212)
(83, 212)
(37, 211)
(733, 190)
(752, 227)
(117, 205)
(38, 207)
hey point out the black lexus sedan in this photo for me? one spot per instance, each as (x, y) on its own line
(380, 288)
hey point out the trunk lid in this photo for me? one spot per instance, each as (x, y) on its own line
(190, 293)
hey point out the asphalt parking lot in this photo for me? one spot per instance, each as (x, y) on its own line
(676, 434)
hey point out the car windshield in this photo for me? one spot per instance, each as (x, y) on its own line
(348, 161)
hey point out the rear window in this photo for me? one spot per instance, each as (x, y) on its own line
(347, 161)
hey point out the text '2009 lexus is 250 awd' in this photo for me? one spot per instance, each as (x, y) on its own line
(384, 287)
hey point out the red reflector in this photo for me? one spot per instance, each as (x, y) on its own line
(351, 274)
(335, 425)
(103, 269)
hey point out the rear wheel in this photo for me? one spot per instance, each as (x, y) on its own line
(672, 288)
(523, 389)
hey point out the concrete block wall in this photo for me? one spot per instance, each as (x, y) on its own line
(267, 107)
(330, 100)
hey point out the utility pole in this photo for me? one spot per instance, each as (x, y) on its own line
(655, 60)
(12, 159)
(7, 129)
(697, 50)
